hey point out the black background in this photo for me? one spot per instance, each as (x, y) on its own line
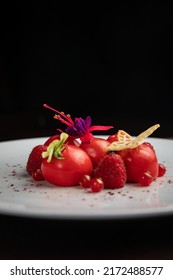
(111, 61)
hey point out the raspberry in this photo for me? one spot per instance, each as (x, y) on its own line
(112, 171)
(35, 159)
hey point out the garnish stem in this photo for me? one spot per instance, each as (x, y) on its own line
(68, 118)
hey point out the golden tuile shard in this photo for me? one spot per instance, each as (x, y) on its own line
(126, 141)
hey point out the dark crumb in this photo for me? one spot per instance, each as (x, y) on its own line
(13, 173)
(170, 181)
(111, 193)
(39, 185)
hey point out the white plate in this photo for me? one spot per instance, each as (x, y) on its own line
(20, 195)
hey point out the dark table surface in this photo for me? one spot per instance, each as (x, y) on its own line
(27, 238)
(34, 238)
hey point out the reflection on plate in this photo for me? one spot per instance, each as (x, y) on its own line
(21, 196)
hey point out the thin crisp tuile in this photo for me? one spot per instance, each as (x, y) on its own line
(125, 141)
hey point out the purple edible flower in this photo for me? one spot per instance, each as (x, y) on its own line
(79, 128)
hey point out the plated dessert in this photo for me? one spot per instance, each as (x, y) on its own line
(75, 156)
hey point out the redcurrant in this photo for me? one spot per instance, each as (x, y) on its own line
(85, 181)
(162, 170)
(37, 175)
(96, 185)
